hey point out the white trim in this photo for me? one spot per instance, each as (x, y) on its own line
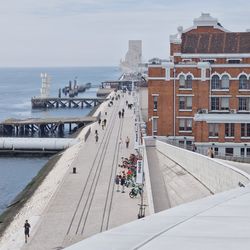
(243, 95)
(228, 59)
(243, 111)
(229, 137)
(244, 90)
(219, 55)
(185, 89)
(242, 74)
(156, 78)
(220, 90)
(185, 95)
(185, 131)
(226, 111)
(155, 66)
(213, 137)
(155, 94)
(220, 95)
(154, 117)
(239, 65)
(185, 110)
(184, 117)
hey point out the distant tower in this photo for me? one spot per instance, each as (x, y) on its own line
(133, 57)
(45, 85)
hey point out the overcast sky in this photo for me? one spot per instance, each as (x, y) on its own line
(96, 32)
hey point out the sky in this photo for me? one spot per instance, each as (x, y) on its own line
(96, 32)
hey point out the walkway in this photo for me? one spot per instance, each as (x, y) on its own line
(86, 203)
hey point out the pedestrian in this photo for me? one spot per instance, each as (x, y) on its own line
(119, 114)
(96, 137)
(99, 121)
(127, 142)
(96, 132)
(123, 180)
(120, 142)
(103, 125)
(105, 122)
(26, 230)
(106, 113)
(117, 182)
(126, 103)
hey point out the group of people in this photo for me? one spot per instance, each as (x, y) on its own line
(127, 173)
(121, 113)
(102, 122)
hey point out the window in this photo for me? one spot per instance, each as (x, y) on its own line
(224, 103)
(155, 99)
(219, 103)
(243, 82)
(155, 125)
(220, 84)
(216, 151)
(233, 61)
(189, 82)
(185, 84)
(242, 152)
(248, 152)
(185, 102)
(182, 81)
(229, 129)
(185, 125)
(225, 82)
(215, 82)
(215, 104)
(229, 151)
(245, 129)
(244, 103)
(209, 60)
(213, 129)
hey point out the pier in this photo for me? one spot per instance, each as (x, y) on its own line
(54, 102)
(45, 127)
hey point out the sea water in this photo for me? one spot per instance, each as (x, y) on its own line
(17, 87)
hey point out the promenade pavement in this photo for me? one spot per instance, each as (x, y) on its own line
(87, 203)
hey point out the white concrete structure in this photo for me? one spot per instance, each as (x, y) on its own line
(36, 143)
(133, 57)
(219, 222)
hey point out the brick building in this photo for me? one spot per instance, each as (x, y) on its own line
(202, 94)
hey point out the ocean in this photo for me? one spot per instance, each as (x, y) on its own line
(17, 87)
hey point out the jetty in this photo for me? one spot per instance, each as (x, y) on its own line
(44, 127)
(56, 102)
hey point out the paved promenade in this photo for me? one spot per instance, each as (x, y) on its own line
(87, 203)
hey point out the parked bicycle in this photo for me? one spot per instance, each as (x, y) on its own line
(135, 191)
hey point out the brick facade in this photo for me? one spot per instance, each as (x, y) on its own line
(200, 96)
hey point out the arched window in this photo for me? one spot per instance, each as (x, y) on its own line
(215, 82)
(189, 82)
(225, 82)
(243, 82)
(182, 81)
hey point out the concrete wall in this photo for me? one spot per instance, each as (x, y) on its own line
(215, 175)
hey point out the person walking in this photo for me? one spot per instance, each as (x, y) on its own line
(122, 113)
(26, 230)
(103, 125)
(119, 114)
(105, 122)
(117, 182)
(96, 137)
(127, 142)
(123, 180)
(99, 121)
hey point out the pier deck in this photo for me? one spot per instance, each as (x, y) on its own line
(55, 102)
(43, 127)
